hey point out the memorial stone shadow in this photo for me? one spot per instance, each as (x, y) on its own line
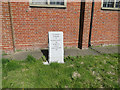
(45, 53)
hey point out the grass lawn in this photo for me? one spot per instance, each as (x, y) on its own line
(77, 72)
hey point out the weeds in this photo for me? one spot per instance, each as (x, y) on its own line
(3, 53)
(30, 59)
(44, 59)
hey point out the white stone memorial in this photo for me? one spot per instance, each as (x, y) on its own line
(56, 50)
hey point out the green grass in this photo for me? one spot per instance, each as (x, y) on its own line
(19, 50)
(76, 72)
(0, 74)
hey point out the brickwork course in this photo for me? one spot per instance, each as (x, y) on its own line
(26, 28)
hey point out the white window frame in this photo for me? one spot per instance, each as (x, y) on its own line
(49, 5)
(112, 8)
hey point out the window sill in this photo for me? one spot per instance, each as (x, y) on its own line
(113, 9)
(57, 6)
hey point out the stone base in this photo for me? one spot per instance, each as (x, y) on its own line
(46, 63)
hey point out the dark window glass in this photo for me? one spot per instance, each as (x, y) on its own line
(108, 3)
(117, 4)
(57, 2)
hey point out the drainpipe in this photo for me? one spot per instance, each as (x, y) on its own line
(92, 12)
(12, 29)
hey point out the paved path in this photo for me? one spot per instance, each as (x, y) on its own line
(68, 52)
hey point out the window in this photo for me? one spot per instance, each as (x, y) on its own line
(48, 3)
(111, 4)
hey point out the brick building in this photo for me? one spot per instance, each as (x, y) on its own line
(25, 25)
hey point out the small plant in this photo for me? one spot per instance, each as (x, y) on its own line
(44, 58)
(18, 50)
(3, 53)
(65, 47)
(30, 58)
(70, 58)
(4, 61)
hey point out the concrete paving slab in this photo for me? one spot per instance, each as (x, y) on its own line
(22, 55)
(107, 49)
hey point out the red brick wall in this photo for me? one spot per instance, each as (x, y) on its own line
(105, 26)
(7, 44)
(31, 25)
(0, 27)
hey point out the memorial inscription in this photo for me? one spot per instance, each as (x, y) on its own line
(56, 50)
